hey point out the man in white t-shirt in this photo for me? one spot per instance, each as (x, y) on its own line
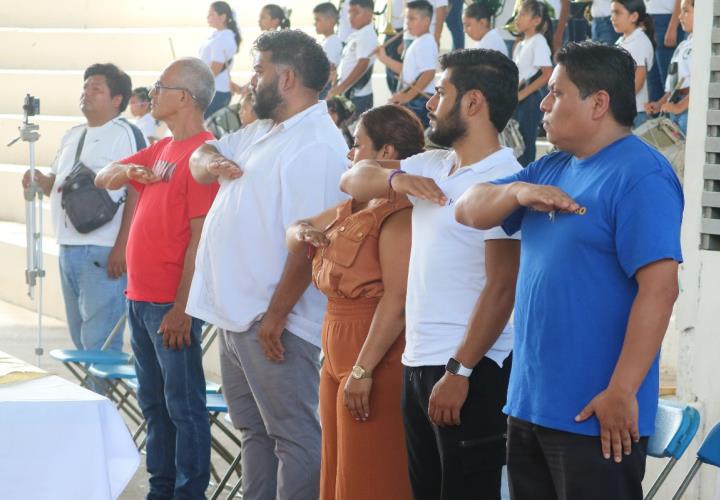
(92, 265)
(461, 283)
(281, 168)
(356, 63)
(417, 70)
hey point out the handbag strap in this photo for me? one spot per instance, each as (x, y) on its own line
(78, 152)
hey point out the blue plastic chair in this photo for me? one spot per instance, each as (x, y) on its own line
(675, 427)
(78, 361)
(709, 453)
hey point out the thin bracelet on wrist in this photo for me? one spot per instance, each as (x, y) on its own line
(395, 172)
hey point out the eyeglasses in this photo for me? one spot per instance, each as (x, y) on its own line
(157, 87)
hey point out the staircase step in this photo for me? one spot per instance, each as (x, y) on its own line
(141, 13)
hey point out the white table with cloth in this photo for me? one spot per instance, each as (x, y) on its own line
(59, 441)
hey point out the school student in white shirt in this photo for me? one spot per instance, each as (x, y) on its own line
(477, 21)
(677, 85)
(461, 283)
(355, 71)
(634, 24)
(142, 118)
(218, 52)
(417, 70)
(533, 58)
(326, 18)
(283, 167)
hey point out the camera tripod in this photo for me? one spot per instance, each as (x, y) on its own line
(34, 271)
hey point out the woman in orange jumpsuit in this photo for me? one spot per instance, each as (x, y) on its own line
(361, 254)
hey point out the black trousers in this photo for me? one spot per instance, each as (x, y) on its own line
(457, 462)
(547, 464)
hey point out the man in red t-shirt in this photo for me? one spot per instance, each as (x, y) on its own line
(161, 260)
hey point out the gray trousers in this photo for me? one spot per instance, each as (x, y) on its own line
(275, 407)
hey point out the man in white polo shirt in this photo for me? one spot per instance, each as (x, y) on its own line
(284, 167)
(461, 283)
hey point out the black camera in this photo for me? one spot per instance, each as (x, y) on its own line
(31, 106)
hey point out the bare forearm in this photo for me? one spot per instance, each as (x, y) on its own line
(294, 281)
(647, 324)
(199, 162)
(113, 176)
(418, 86)
(354, 76)
(484, 206)
(491, 314)
(183, 289)
(393, 65)
(365, 181)
(387, 325)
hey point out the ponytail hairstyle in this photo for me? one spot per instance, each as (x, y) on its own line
(279, 13)
(644, 19)
(484, 9)
(538, 8)
(222, 8)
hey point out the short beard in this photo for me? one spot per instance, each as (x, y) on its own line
(266, 101)
(448, 130)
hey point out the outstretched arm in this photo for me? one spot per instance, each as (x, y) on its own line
(369, 179)
(487, 205)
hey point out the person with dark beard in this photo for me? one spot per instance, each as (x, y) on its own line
(461, 283)
(284, 167)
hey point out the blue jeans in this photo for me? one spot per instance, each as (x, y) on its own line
(93, 301)
(453, 20)
(603, 31)
(362, 103)
(528, 116)
(656, 76)
(219, 101)
(419, 106)
(171, 394)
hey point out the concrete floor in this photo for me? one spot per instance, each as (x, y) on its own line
(18, 337)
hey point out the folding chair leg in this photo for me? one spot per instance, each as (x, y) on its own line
(688, 479)
(661, 479)
(234, 491)
(226, 478)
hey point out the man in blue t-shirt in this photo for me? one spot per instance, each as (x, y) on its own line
(598, 278)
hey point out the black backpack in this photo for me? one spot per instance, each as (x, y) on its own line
(87, 206)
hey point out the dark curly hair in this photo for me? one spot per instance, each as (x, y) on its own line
(301, 52)
(396, 126)
(490, 72)
(117, 80)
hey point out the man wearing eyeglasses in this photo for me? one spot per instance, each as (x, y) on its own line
(161, 260)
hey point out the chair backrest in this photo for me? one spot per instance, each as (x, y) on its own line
(675, 427)
(709, 451)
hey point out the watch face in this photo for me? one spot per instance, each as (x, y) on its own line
(453, 366)
(357, 372)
